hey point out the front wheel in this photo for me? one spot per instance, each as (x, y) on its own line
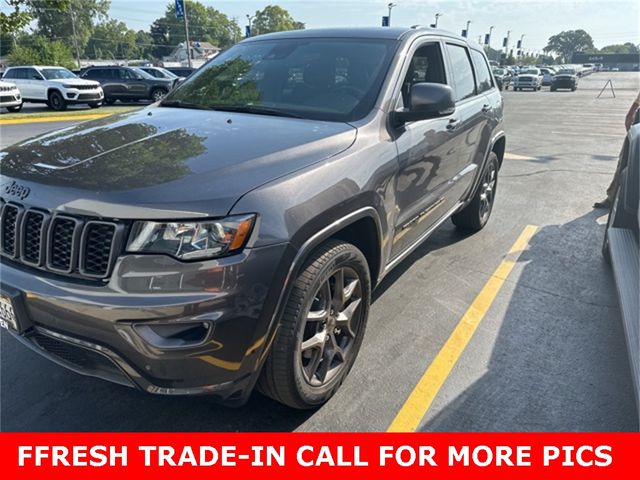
(321, 329)
(57, 101)
(476, 214)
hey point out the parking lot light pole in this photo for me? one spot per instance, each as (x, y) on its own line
(468, 23)
(490, 31)
(438, 15)
(186, 34)
(391, 5)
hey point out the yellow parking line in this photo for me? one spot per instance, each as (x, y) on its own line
(53, 118)
(416, 406)
(513, 156)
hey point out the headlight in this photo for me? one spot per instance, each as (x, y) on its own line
(192, 240)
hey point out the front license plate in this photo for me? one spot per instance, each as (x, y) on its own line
(7, 314)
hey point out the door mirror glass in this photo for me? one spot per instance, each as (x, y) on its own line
(428, 100)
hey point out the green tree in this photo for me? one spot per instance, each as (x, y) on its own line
(144, 42)
(57, 24)
(206, 24)
(274, 18)
(38, 50)
(112, 39)
(22, 12)
(620, 48)
(566, 43)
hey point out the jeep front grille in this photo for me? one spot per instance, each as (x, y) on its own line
(59, 243)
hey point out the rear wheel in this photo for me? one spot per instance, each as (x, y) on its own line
(57, 101)
(321, 329)
(158, 94)
(476, 214)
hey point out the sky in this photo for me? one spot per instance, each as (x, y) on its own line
(608, 21)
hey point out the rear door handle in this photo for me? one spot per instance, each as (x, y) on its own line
(453, 124)
(486, 108)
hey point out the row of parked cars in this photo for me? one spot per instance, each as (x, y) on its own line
(534, 78)
(59, 87)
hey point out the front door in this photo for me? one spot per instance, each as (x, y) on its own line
(424, 155)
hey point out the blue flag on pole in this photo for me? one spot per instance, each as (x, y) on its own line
(385, 21)
(179, 8)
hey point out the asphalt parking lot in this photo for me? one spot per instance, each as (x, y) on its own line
(548, 355)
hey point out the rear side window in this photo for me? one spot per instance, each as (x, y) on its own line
(483, 74)
(464, 84)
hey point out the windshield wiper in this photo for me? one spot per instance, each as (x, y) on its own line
(257, 109)
(183, 104)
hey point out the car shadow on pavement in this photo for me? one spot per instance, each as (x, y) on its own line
(553, 353)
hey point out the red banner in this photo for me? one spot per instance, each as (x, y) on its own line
(221, 456)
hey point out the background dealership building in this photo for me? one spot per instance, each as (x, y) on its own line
(623, 61)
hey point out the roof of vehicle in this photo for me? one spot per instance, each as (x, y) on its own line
(391, 33)
(36, 66)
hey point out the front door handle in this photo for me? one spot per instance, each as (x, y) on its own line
(486, 108)
(453, 124)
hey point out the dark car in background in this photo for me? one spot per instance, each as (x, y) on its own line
(565, 78)
(231, 235)
(128, 83)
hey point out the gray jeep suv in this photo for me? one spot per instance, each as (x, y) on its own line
(231, 235)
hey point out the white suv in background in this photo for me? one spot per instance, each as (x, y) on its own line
(10, 97)
(55, 86)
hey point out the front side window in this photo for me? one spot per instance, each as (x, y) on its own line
(10, 74)
(426, 65)
(483, 73)
(462, 72)
(330, 79)
(32, 74)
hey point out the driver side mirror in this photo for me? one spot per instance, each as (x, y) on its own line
(428, 100)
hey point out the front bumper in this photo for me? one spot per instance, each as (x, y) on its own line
(74, 96)
(108, 330)
(564, 84)
(10, 98)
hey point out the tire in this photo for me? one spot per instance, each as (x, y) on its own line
(15, 109)
(294, 372)
(95, 105)
(553, 89)
(476, 214)
(57, 101)
(109, 101)
(158, 94)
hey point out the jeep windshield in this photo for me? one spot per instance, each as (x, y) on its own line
(57, 73)
(334, 79)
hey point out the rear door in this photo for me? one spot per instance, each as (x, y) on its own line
(491, 105)
(468, 121)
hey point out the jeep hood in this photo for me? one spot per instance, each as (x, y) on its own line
(161, 162)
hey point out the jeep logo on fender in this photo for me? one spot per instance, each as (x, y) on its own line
(16, 190)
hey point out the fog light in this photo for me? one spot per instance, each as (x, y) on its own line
(175, 334)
